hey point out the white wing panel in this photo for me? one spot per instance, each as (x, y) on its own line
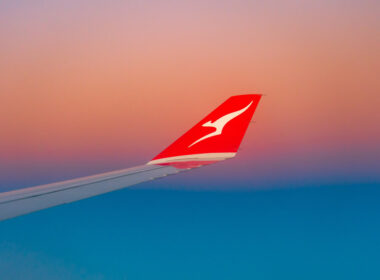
(23, 201)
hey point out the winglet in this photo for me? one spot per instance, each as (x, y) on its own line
(215, 138)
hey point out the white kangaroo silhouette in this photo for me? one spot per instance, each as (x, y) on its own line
(220, 123)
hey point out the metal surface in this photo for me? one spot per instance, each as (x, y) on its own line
(23, 201)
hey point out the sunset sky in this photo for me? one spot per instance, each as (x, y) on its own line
(93, 86)
(89, 86)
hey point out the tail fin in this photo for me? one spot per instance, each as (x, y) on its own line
(216, 137)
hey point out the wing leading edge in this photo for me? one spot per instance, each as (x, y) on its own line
(217, 137)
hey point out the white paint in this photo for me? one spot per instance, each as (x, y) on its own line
(194, 157)
(220, 123)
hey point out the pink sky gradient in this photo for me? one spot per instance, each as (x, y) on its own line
(89, 86)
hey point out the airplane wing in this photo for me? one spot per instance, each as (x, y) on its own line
(215, 138)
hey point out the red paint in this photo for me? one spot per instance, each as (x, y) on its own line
(230, 138)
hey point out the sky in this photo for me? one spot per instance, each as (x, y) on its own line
(93, 86)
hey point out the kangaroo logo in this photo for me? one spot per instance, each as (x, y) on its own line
(220, 123)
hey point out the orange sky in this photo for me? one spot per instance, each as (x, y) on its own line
(114, 83)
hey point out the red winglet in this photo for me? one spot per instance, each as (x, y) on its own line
(216, 137)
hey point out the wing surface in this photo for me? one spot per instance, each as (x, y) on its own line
(217, 137)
